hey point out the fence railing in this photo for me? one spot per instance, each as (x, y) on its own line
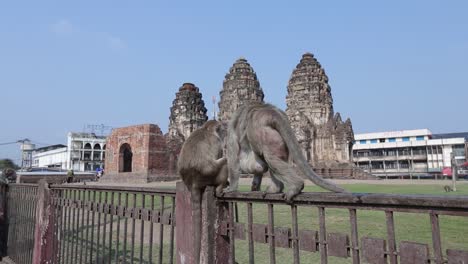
(97, 224)
(21, 200)
(312, 242)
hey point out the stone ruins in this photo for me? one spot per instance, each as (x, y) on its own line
(325, 139)
(188, 112)
(143, 153)
(240, 85)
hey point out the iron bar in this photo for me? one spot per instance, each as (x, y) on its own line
(125, 229)
(250, 233)
(142, 228)
(436, 241)
(98, 236)
(171, 245)
(354, 236)
(391, 237)
(132, 253)
(271, 233)
(111, 228)
(105, 207)
(295, 234)
(161, 231)
(119, 203)
(322, 236)
(150, 251)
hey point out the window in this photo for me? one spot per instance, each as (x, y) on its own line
(405, 139)
(362, 141)
(373, 141)
(419, 138)
(381, 140)
(392, 140)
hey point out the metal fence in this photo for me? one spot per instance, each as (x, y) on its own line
(113, 224)
(276, 234)
(97, 224)
(20, 218)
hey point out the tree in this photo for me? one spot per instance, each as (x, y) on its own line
(8, 164)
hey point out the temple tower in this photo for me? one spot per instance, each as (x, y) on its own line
(324, 138)
(188, 112)
(240, 85)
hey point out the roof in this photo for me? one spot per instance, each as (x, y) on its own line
(451, 135)
(51, 147)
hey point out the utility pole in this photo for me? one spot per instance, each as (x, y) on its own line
(454, 172)
(214, 107)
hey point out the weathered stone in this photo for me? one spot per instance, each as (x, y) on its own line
(188, 112)
(240, 86)
(324, 138)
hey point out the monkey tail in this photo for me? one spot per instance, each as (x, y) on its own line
(196, 223)
(284, 128)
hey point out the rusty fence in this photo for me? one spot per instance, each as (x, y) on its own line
(89, 224)
(20, 210)
(302, 235)
(105, 224)
(113, 224)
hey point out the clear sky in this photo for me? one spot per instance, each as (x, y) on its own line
(392, 65)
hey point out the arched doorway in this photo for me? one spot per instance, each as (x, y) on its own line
(125, 158)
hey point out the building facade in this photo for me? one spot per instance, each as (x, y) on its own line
(408, 152)
(85, 151)
(54, 156)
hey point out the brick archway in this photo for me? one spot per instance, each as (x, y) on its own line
(125, 158)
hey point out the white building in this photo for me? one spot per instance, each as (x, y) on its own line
(84, 152)
(408, 152)
(54, 156)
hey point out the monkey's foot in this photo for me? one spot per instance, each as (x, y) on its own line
(293, 191)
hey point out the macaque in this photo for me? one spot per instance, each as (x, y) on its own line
(201, 164)
(260, 139)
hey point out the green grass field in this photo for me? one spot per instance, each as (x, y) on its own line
(409, 226)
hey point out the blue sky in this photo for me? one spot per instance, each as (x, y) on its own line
(63, 64)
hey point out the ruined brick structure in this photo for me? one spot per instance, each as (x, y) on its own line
(325, 139)
(240, 85)
(188, 112)
(137, 154)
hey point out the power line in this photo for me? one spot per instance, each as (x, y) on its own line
(8, 143)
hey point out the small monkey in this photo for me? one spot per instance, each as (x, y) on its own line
(201, 164)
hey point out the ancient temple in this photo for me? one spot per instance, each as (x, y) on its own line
(188, 112)
(240, 85)
(325, 139)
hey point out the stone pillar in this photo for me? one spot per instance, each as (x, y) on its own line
(214, 248)
(44, 227)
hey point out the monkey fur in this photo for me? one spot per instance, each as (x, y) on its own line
(260, 139)
(201, 164)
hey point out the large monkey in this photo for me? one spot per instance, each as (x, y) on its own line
(260, 139)
(201, 164)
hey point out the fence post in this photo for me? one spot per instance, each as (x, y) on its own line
(44, 226)
(214, 248)
(3, 220)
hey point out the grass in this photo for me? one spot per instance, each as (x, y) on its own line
(409, 226)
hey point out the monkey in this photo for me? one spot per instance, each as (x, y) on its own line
(260, 139)
(201, 164)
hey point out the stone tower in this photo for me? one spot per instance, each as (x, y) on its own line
(240, 85)
(325, 139)
(188, 112)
